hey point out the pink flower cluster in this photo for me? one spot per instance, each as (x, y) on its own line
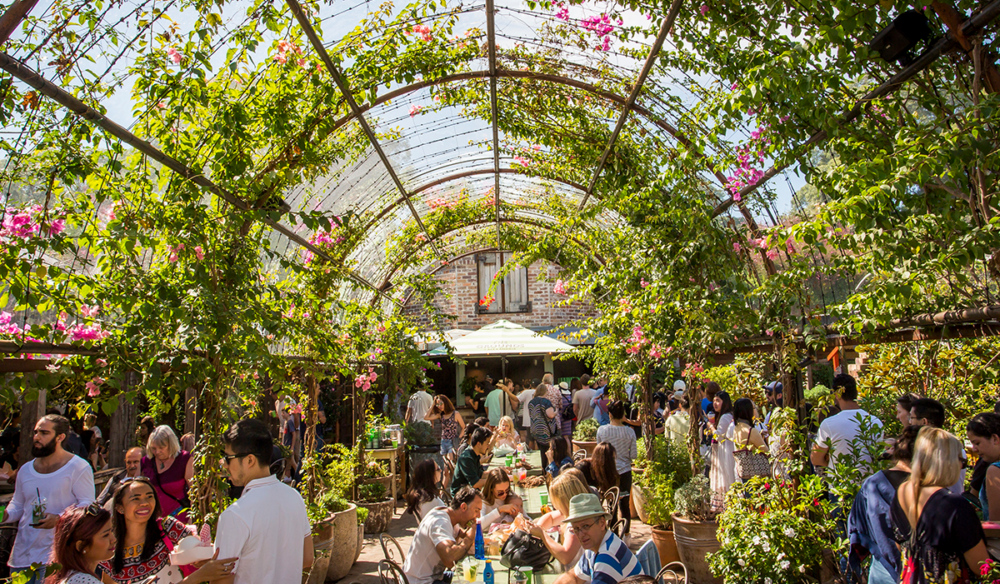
(175, 56)
(637, 340)
(324, 239)
(287, 49)
(486, 301)
(692, 369)
(560, 288)
(27, 222)
(94, 387)
(521, 161)
(440, 202)
(601, 26)
(175, 252)
(563, 13)
(416, 110)
(87, 332)
(423, 30)
(364, 381)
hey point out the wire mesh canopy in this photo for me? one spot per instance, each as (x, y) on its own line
(380, 142)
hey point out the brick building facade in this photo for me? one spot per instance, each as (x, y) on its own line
(460, 295)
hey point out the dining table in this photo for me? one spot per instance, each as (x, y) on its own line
(532, 457)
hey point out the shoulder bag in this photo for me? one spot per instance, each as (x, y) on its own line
(751, 463)
(522, 549)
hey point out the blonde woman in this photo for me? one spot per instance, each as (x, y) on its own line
(941, 536)
(561, 491)
(500, 504)
(169, 470)
(506, 435)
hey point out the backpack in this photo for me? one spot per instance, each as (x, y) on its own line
(567, 412)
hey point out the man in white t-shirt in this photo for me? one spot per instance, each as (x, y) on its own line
(438, 544)
(53, 481)
(267, 528)
(522, 409)
(838, 431)
(418, 405)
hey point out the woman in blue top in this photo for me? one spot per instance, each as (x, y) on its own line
(558, 457)
(984, 433)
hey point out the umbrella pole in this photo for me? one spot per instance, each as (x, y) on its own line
(503, 367)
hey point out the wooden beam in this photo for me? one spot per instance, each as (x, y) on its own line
(13, 17)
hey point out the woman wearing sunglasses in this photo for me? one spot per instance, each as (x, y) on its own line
(145, 540)
(500, 504)
(83, 538)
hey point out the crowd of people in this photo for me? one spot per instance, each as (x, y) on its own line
(125, 535)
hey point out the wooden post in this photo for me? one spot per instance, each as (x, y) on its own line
(30, 412)
(191, 411)
(123, 422)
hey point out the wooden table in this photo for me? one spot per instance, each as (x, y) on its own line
(389, 454)
(534, 458)
(532, 497)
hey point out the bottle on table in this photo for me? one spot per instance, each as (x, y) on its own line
(488, 573)
(480, 543)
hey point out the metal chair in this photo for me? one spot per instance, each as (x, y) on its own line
(579, 455)
(618, 527)
(391, 548)
(389, 572)
(610, 501)
(672, 573)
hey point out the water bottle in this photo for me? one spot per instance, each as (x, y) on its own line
(480, 544)
(488, 573)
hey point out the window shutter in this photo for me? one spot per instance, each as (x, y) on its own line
(516, 284)
(487, 266)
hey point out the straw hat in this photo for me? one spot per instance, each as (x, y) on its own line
(583, 506)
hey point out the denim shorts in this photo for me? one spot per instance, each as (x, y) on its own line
(447, 446)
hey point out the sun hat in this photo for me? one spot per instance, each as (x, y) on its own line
(583, 506)
(563, 385)
(680, 385)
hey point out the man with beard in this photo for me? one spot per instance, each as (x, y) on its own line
(45, 486)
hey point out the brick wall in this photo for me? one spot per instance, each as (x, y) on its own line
(459, 297)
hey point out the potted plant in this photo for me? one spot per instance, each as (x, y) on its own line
(334, 519)
(421, 445)
(653, 493)
(585, 435)
(373, 497)
(362, 519)
(695, 529)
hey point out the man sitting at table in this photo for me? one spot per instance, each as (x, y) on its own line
(606, 559)
(469, 467)
(440, 541)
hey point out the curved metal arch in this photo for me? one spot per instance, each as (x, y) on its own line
(460, 175)
(553, 228)
(548, 77)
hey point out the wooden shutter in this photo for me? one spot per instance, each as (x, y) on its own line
(486, 263)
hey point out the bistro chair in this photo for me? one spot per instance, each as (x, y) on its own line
(391, 548)
(389, 572)
(672, 573)
(579, 455)
(618, 527)
(610, 501)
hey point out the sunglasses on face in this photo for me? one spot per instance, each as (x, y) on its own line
(227, 458)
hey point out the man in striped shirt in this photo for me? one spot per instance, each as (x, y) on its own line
(606, 559)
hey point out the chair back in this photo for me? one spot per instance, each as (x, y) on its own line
(649, 558)
(579, 455)
(389, 572)
(610, 500)
(391, 548)
(672, 573)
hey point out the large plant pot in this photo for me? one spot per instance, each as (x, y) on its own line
(588, 446)
(695, 540)
(361, 541)
(638, 502)
(384, 481)
(379, 515)
(665, 544)
(345, 538)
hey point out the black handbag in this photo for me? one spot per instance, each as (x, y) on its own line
(521, 549)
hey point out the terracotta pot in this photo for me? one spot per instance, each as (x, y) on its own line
(695, 540)
(588, 446)
(665, 544)
(345, 538)
(638, 501)
(379, 515)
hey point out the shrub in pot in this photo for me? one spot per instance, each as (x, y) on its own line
(373, 497)
(695, 528)
(585, 435)
(668, 467)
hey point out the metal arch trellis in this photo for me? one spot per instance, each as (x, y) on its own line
(341, 83)
(78, 108)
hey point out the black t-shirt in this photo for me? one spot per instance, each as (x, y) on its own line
(479, 402)
(947, 528)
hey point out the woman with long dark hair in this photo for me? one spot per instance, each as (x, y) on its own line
(145, 540)
(723, 471)
(604, 466)
(983, 431)
(83, 539)
(558, 457)
(745, 435)
(451, 423)
(424, 493)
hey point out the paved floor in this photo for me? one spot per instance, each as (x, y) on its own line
(365, 570)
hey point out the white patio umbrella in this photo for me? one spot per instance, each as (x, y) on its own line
(504, 338)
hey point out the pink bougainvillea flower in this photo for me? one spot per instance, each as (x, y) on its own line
(415, 110)
(559, 288)
(89, 311)
(174, 55)
(704, 9)
(199, 253)
(521, 160)
(92, 389)
(300, 62)
(161, 105)
(487, 301)
(56, 227)
(769, 332)
(737, 247)
(102, 363)
(643, 282)
(5, 317)
(772, 254)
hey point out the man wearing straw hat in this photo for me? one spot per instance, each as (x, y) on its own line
(606, 559)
